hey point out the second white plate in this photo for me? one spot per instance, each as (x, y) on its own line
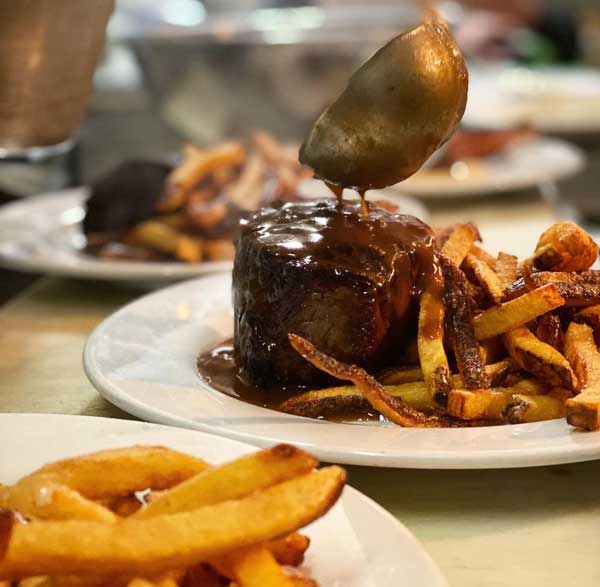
(524, 165)
(371, 548)
(143, 359)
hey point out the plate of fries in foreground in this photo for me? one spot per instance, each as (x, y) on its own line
(140, 505)
(503, 369)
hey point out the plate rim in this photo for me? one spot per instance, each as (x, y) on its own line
(429, 565)
(435, 459)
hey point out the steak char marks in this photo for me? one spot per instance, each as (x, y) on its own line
(348, 283)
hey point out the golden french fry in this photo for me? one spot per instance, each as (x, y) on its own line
(253, 567)
(290, 549)
(195, 167)
(578, 289)
(40, 497)
(507, 269)
(483, 256)
(460, 242)
(509, 315)
(459, 327)
(219, 249)
(430, 340)
(121, 471)
(232, 481)
(155, 545)
(582, 354)
(488, 404)
(549, 330)
(486, 276)
(533, 408)
(583, 411)
(538, 358)
(155, 235)
(591, 317)
(397, 375)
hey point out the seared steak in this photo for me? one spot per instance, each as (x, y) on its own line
(345, 281)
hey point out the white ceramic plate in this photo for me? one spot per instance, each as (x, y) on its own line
(42, 234)
(370, 549)
(559, 100)
(142, 359)
(523, 165)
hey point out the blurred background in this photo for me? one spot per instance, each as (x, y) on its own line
(201, 71)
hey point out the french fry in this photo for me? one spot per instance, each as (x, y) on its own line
(208, 214)
(219, 250)
(397, 375)
(232, 481)
(195, 167)
(395, 411)
(549, 330)
(247, 191)
(474, 405)
(120, 471)
(155, 545)
(290, 549)
(507, 269)
(483, 256)
(509, 315)
(430, 339)
(488, 404)
(591, 317)
(42, 498)
(582, 354)
(565, 246)
(533, 408)
(538, 358)
(578, 289)
(163, 238)
(583, 411)
(459, 327)
(460, 242)
(486, 276)
(254, 567)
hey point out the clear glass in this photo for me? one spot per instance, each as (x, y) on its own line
(48, 52)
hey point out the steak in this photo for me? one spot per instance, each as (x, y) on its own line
(347, 282)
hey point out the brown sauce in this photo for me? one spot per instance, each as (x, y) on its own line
(337, 190)
(217, 368)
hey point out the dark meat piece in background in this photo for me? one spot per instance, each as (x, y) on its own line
(346, 282)
(125, 196)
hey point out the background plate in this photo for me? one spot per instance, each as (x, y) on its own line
(523, 165)
(42, 234)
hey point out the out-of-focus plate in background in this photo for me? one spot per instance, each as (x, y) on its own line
(522, 165)
(42, 234)
(557, 100)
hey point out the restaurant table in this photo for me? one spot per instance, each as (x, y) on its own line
(489, 528)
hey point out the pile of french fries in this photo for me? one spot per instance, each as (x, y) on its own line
(206, 195)
(149, 516)
(498, 341)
